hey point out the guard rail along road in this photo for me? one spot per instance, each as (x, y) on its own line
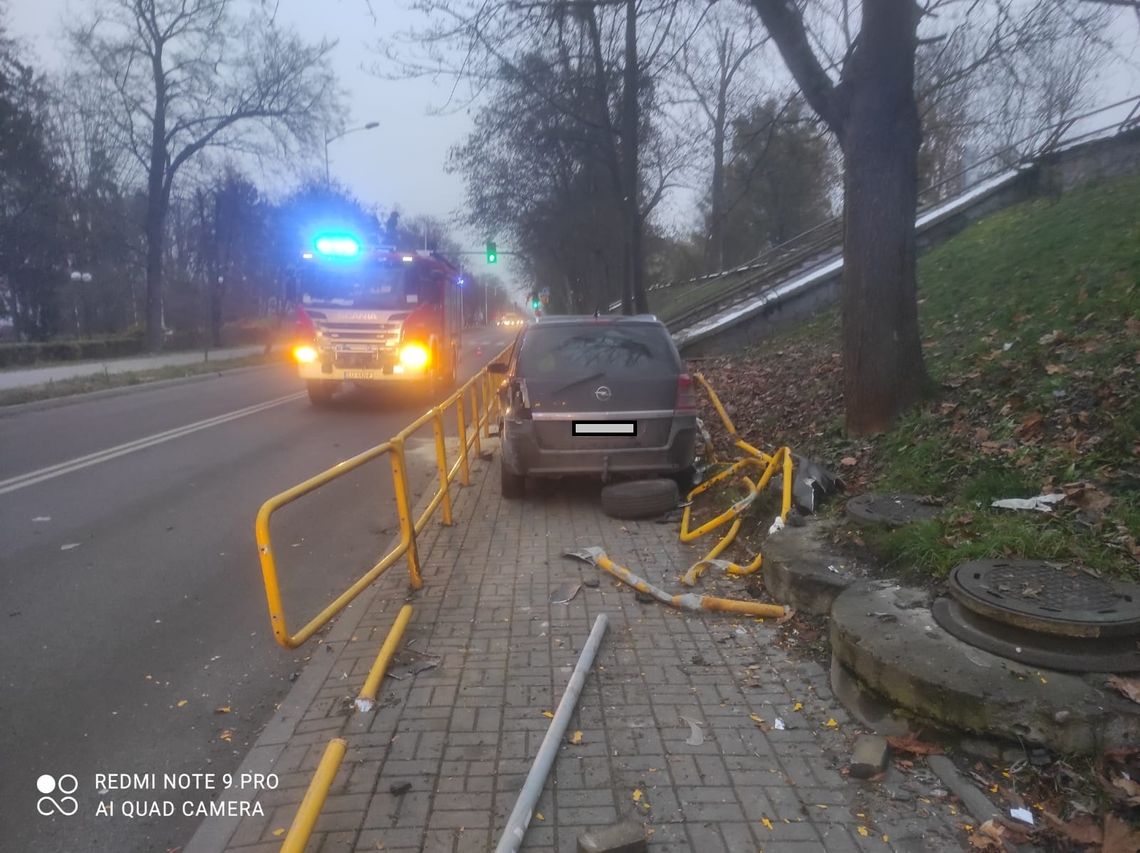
(475, 399)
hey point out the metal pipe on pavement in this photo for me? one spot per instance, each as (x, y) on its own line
(367, 698)
(310, 808)
(520, 817)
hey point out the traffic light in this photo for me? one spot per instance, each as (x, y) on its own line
(492, 254)
(535, 303)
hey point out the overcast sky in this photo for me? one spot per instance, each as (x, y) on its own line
(402, 162)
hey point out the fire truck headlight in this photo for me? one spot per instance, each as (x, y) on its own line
(304, 354)
(414, 355)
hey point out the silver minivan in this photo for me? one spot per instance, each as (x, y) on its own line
(605, 396)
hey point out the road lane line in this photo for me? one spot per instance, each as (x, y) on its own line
(58, 470)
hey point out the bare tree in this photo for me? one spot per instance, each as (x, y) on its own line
(717, 67)
(864, 90)
(614, 48)
(188, 75)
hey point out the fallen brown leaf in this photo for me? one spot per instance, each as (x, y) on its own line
(1127, 687)
(1081, 830)
(1086, 496)
(911, 744)
(1119, 837)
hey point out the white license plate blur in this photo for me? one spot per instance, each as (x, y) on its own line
(605, 428)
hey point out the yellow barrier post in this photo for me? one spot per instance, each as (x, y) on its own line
(367, 698)
(461, 425)
(269, 575)
(404, 510)
(475, 419)
(441, 461)
(787, 505)
(310, 808)
(717, 404)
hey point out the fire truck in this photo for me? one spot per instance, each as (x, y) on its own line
(375, 317)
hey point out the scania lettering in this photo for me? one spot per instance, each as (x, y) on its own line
(376, 317)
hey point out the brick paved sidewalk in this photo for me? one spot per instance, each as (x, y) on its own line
(463, 735)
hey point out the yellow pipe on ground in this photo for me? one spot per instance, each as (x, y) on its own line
(310, 808)
(367, 698)
(687, 601)
(695, 571)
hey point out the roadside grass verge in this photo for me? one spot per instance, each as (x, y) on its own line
(106, 380)
(1031, 325)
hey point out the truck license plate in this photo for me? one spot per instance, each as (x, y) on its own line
(363, 374)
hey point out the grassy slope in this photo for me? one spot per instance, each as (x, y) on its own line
(1031, 321)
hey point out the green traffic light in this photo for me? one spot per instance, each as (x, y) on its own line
(492, 254)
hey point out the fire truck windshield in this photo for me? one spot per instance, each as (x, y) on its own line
(376, 284)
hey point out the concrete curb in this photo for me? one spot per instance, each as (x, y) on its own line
(885, 636)
(213, 834)
(69, 399)
(800, 569)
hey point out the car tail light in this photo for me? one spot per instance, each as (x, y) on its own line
(686, 398)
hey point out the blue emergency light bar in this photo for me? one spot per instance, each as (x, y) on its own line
(337, 245)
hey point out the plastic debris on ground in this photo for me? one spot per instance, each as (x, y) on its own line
(1041, 503)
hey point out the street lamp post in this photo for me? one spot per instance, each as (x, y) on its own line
(328, 139)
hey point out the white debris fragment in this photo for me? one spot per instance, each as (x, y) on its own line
(1023, 815)
(69, 546)
(778, 724)
(1041, 503)
(777, 526)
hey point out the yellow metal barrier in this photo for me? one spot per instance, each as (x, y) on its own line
(780, 461)
(310, 808)
(483, 408)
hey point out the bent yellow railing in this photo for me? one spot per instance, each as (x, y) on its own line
(479, 392)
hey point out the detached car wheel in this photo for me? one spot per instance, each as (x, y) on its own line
(513, 486)
(640, 498)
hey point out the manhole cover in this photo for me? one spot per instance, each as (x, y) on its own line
(895, 510)
(1041, 597)
(1065, 654)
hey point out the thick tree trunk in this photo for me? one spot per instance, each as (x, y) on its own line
(157, 195)
(883, 371)
(155, 224)
(714, 257)
(634, 288)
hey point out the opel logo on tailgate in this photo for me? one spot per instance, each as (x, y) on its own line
(603, 393)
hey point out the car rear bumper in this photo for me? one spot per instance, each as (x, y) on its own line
(523, 455)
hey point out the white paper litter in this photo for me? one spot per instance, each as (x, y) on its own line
(69, 546)
(41, 518)
(777, 526)
(1042, 503)
(1023, 815)
(778, 724)
(696, 736)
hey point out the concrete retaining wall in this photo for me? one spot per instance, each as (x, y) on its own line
(1082, 165)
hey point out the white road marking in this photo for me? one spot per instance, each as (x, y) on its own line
(32, 477)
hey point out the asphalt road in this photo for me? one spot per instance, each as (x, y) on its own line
(131, 602)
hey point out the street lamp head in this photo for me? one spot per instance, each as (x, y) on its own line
(371, 125)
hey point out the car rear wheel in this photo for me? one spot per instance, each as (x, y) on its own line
(640, 498)
(513, 486)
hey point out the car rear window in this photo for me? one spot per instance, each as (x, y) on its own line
(609, 348)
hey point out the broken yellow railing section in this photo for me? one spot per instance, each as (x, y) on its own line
(781, 461)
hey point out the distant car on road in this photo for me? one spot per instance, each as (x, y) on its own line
(510, 321)
(603, 396)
